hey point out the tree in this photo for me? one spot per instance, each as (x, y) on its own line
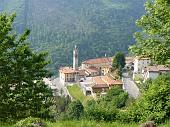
(154, 39)
(75, 110)
(154, 104)
(118, 63)
(120, 57)
(116, 97)
(115, 64)
(22, 91)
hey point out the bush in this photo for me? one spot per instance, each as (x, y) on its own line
(154, 104)
(75, 110)
(101, 114)
(31, 122)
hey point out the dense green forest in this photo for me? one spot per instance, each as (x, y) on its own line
(98, 27)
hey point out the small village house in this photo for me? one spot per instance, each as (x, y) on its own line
(68, 74)
(152, 72)
(101, 84)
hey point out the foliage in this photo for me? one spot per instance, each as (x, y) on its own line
(118, 63)
(107, 107)
(75, 110)
(99, 26)
(120, 57)
(154, 39)
(60, 106)
(154, 104)
(116, 97)
(85, 123)
(22, 91)
(31, 122)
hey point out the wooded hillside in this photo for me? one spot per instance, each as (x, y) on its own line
(99, 27)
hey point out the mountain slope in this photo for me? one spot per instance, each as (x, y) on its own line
(99, 27)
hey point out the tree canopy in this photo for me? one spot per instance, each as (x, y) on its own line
(154, 39)
(22, 91)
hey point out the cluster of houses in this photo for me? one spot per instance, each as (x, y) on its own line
(93, 74)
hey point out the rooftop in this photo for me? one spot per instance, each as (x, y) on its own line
(98, 60)
(157, 68)
(92, 70)
(102, 81)
(82, 72)
(67, 70)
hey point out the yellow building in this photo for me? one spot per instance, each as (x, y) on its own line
(102, 64)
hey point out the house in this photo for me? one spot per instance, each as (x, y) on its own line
(92, 71)
(140, 63)
(152, 72)
(102, 64)
(99, 85)
(68, 74)
(103, 83)
(82, 74)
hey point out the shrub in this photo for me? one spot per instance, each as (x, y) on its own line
(154, 104)
(75, 110)
(31, 122)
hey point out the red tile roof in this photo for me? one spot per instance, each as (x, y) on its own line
(110, 81)
(67, 70)
(92, 70)
(98, 60)
(103, 81)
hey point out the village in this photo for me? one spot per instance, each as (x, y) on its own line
(94, 76)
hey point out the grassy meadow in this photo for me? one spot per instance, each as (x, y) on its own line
(76, 92)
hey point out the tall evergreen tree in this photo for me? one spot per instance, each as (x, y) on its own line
(22, 91)
(154, 39)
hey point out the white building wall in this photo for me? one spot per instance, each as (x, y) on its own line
(136, 65)
(140, 64)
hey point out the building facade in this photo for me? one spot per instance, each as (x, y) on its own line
(102, 64)
(68, 74)
(152, 72)
(140, 63)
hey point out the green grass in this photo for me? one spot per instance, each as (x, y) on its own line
(85, 123)
(76, 92)
(89, 124)
(5, 125)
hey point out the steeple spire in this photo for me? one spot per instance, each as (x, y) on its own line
(75, 58)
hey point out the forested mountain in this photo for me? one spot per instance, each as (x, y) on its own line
(98, 27)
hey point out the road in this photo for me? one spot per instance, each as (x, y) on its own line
(130, 86)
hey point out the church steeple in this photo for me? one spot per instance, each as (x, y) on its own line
(75, 58)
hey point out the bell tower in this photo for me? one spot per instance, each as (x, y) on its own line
(75, 58)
